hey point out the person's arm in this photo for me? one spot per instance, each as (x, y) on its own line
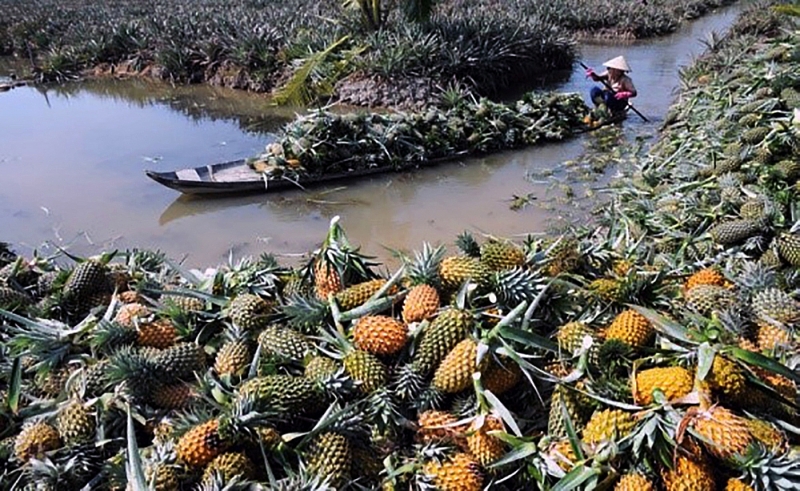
(627, 90)
(596, 76)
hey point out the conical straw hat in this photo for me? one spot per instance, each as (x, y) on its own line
(619, 63)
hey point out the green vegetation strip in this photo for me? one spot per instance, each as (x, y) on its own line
(656, 348)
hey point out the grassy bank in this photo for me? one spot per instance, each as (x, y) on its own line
(656, 348)
(306, 50)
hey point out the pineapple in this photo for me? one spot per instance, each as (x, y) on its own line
(500, 256)
(726, 379)
(768, 435)
(441, 336)
(180, 362)
(571, 336)
(358, 294)
(319, 368)
(789, 248)
(162, 476)
(365, 369)
(380, 335)
(708, 298)
(455, 270)
(201, 444)
(563, 454)
(130, 313)
(674, 382)
(235, 355)
(634, 482)
(563, 256)
(285, 392)
(285, 343)
(329, 456)
(734, 231)
(578, 408)
(458, 473)
(484, 447)
(607, 289)
(172, 396)
(327, 280)
(76, 424)
(689, 474)
(770, 337)
(608, 424)
(773, 305)
(707, 276)
(421, 303)
(755, 135)
(229, 465)
(88, 278)
(437, 426)
(34, 440)
(725, 434)
(632, 328)
(734, 484)
(160, 333)
(499, 378)
(454, 374)
(11, 299)
(249, 311)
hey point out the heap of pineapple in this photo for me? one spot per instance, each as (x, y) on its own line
(656, 349)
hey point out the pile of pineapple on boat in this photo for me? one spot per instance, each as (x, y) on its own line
(655, 349)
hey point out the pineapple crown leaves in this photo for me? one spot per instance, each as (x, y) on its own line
(765, 470)
(67, 465)
(132, 363)
(348, 420)
(346, 260)
(217, 481)
(306, 314)
(424, 267)
(467, 244)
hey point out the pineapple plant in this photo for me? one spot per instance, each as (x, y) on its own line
(499, 256)
(249, 311)
(235, 355)
(330, 457)
(130, 314)
(608, 424)
(675, 382)
(439, 337)
(454, 374)
(634, 482)
(755, 135)
(770, 336)
(768, 435)
(87, 278)
(366, 370)
(76, 423)
(163, 477)
(562, 256)
(285, 343)
(457, 473)
(227, 466)
(201, 444)
(34, 440)
(631, 328)
(380, 335)
(607, 289)
(484, 447)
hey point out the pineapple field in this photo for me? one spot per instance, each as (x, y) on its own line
(655, 348)
(302, 51)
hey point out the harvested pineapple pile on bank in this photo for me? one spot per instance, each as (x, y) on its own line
(323, 142)
(656, 349)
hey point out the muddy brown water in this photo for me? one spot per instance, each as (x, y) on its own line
(72, 163)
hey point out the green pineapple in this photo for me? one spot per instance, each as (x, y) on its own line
(320, 368)
(707, 298)
(439, 337)
(76, 424)
(791, 97)
(228, 465)
(358, 294)
(578, 408)
(789, 248)
(751, 119)
(773, 304)
(571, 337)
(329, 456)
(137, 369)
(500, 256)
(250, 311)
(455, 270)
(763, 155)
(366, 369)
(787, 170)
(11, 299)
(88, 278)
(734, 231)
(755, 135)
(284, 343)
(180, 362)
(286, 393)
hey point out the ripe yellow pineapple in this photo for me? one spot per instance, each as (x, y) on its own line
(768, 435)
(484, 447)
(455, 372)
(622, 267)
(455, 270)
(358, 294)
(235, 355)
(634, 482)
(164, 477)
(562, 452)
(201, 444)
(726, 379)
(459, 473)
(734, 484)
(726, 433)
(608, 424)
(689, 474)
(229, 465)
(160, 334)
(421, 303)
(608, 289)
(674, 382)
(770, 336)
(327, 280)
(129, 313)
(34, 440)
(632, 328)
(380, 335)
(499, 378)
(435, 426)
(707, 276)
(500, 256)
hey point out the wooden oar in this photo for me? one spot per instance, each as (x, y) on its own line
(608, 86)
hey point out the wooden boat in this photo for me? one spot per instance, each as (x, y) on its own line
(238, 177)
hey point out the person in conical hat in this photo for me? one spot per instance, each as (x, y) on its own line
(621, 85)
